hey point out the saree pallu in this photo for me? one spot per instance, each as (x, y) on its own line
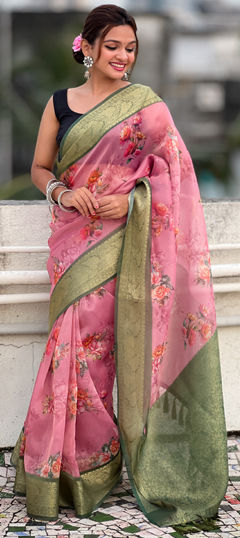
(131, 295)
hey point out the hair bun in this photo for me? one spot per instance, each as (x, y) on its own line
(78, 56)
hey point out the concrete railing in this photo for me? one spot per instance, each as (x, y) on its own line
(24, 286)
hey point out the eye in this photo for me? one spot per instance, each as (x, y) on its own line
(110, 48)
(130, 50)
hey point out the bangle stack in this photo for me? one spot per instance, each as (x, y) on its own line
(60, 203)
(53, 184)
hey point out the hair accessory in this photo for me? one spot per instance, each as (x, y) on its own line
(77, 43)
(60, 203)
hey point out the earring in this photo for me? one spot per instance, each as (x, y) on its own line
(88, 62)
(126, 76)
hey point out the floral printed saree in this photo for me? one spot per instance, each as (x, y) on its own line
(131, 295)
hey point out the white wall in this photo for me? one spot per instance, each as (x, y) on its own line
(23, 325)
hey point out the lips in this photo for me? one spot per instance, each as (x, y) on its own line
(118, 66)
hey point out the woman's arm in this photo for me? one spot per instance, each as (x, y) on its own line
(44, 156)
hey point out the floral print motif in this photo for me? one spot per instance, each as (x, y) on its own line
(96, 344)
(81, 365)
(171, 144)
(106, 454)
(92, 230)
(48, 404)
(50, 468)
(161, 285)
(157, 356)
(161, 219)
(72, 400)
(58, 269)
(60, 352)
(197, 326)
(204, 276)
(100, 292)
(84, 401)
(134, 136)
(68, 176)
(51, 341)
(95, 182)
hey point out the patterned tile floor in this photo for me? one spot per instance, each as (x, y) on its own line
(118, 516)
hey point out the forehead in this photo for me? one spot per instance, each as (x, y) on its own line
(123, 33)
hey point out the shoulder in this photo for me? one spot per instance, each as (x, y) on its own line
(145, 93)
(59, 100)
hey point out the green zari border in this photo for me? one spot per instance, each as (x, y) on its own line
(91, 270)
(88, 130)
(84, 493)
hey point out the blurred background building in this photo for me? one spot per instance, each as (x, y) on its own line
(189, 54)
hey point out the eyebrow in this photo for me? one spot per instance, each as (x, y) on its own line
(115, 41)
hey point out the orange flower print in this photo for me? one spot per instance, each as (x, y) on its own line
(137, 119)
(161, 219)
(125, 133)
(50, 468)
(72, 400)
(107, 453)
(58, 270)
(84, 401)
(157, 357)
(45, 470)
(204, 276)
(159, 293)
(48, 404)
(161, 209)
(114, 447)
(197, 326)
(206, 331)
(92, 230)
(68, 176)
(61, 351)
(171, 144)
(104, 458)
(81, 364)
(56, 466)
(133, 135)
(96, 344)
(95, 182)
(161, 285)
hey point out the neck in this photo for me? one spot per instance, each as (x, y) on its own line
(100, 85)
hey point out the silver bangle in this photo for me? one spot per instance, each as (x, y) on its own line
(54, 185)
(60, 203)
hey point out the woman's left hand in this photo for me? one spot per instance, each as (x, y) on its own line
(114, 206)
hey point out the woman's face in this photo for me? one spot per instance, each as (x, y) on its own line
(117, 52)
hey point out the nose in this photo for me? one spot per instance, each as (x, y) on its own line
(122, 55)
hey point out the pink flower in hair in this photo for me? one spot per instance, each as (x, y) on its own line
(77, 43)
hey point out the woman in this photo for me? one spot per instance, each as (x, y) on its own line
(131, 283)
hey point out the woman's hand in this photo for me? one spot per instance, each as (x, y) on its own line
(82, 199)
(114, 206)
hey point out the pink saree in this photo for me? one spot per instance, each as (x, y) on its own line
(132, 296)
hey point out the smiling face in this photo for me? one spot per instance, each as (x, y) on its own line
(117, 53)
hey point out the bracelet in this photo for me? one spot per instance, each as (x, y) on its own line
(60, 203)
(53, 185)
(52, 180)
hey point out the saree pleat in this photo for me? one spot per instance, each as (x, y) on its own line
(130, 296)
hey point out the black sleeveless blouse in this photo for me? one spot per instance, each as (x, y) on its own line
(64, 114)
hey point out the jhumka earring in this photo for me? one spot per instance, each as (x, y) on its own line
(88, 62)
(126, 76)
